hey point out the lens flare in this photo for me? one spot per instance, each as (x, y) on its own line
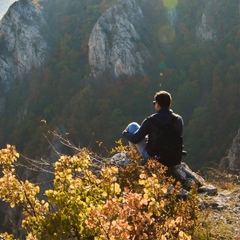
(166, 34)
(162, 65)
(170, 3)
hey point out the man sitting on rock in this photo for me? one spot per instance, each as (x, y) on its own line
(160, 137)
(146, 138)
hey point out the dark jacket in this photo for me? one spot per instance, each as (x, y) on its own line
(163, 116)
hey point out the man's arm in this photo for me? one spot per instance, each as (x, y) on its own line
(180, 124)
(140, 134)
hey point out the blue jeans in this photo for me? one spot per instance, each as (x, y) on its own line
(140, 146)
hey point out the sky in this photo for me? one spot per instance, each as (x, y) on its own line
(4, 5)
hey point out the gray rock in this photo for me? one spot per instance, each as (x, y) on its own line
(120, 159)
(205, 30)
(208, 189)
(231, 162)
(223, 210)
(115, 44)
(22, 45)
(186, 176)
(182, 194)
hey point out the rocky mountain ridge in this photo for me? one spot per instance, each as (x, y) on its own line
(205, 30)
(22, 44)
(115, 44)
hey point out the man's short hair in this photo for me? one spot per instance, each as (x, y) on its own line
(164, 99)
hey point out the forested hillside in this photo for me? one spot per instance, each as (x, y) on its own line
(201, 74)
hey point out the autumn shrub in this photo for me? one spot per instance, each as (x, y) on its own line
(132, 202)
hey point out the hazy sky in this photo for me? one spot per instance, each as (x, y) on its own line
(4, 5)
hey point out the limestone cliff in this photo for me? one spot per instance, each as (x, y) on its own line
(232, 161)
(115, 44)
(22, 45)
(205, 29)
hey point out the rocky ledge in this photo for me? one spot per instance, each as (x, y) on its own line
(221, 213)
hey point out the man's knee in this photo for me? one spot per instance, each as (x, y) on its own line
(133, 127)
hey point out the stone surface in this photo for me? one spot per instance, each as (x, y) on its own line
(208, 189)
(115, 44)
(205, 30)
(231, 162)
(221, 213)
(186, 176)
(120, 159)
(22, 45)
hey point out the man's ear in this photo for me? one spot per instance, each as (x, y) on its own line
(158, 107)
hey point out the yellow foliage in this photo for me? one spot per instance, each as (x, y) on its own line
(119, 203)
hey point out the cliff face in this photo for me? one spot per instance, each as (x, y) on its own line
(115, 44)
(22, 45)
(205, 29)
(232, 161)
